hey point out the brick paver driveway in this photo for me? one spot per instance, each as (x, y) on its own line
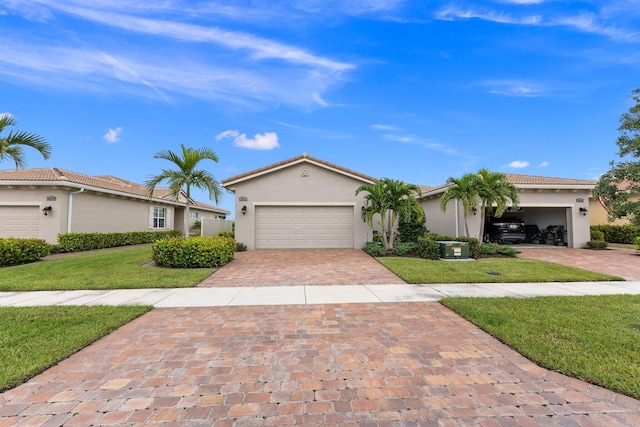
(618, 262)
(343, 364)
(287, 267)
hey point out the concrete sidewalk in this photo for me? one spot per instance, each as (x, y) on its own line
(300, 295)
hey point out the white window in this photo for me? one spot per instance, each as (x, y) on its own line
(194, 215)
(159, 217)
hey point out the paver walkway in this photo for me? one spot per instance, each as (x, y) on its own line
(286, 267)
(342, 364)
(615, 261)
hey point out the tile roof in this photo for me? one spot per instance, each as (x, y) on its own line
(544, 180)
(294, 160)
(107, 182)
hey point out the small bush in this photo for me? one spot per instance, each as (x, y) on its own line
(411, 227)
(428, 248)
(496, 249)
(76, 242)
(402, 249)
(618, 233)
(240, 247)
(638, 243)
(374, 249)
(597, 244)
(196, 252)
(230, 234)
(15, 251)
(597, 235)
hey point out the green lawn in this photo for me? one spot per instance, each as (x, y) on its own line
(35, 338)
(593, 338)
(622, 246)
(120, 268)
(487, 270)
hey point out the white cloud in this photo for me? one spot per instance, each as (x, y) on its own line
(544, 164)
(382, 127)
(516, 88)
(452, 13)
(2, 115)
(113, 135)
(227, 134)
(518, 164)
(265, 141)
(423, 142)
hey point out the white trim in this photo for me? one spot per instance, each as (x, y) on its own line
(21, 204)
(304, 204)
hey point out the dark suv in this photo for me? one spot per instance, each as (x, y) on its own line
(506, 230)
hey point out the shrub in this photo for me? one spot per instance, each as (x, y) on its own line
(374, 249)
(410, 228)
(474, 244)
(75, 242)
(597, 234)
(638, 243)
(230, 234)
(428, 248)
(496, 249)
(618, 233)
(597, 244)
(240, 247)
(15, 251)
(401, 249)
(196, 252)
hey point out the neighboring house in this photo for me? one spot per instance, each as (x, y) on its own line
(43, 203)
(305, 202)
(301, 202)
(543, 202)
(599, 213)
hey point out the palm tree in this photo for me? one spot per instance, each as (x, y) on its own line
(465, 190)
(389, 199)
(494, 189)
(186, 176)
(11, 145)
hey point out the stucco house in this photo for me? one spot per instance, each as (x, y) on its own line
(44, 202)
(302, 202)
(544, 202)
(306, 202)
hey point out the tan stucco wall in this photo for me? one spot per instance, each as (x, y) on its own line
(598, 214)
(444, 223)
(93, 213)
(50, 225)
(288, 186)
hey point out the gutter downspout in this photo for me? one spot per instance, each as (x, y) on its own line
(70, 207)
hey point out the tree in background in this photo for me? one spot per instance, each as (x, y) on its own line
(465, 190)
(389, 199)
(617, 187)
(412, 227)
(488, 188)
(11, 145)
(494, 189)
(186, 176)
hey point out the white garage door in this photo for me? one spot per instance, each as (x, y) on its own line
(19, 221)
(304, 227)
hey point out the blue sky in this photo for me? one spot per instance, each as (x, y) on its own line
(412, 90)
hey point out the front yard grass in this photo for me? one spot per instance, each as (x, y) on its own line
(121, 268)
(487, 270)
(593, 338)
(35, 338)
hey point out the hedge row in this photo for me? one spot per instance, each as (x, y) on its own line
(15, 251)
(196, 252)
(76, 242)
(618, 233)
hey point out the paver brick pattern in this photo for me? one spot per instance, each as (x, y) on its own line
(615, 261)
(343, 364)
(302, 267)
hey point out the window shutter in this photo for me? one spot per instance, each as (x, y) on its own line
(150, 217)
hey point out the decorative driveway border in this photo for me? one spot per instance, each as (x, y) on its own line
(302, 267)
(341, 364)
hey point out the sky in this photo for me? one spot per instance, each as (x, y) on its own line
(413, 90)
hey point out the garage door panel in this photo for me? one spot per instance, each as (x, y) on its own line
(19, 221)
(304, 227)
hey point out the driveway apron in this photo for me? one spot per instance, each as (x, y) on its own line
(615, 261)
(341, 364)
(304, 267)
